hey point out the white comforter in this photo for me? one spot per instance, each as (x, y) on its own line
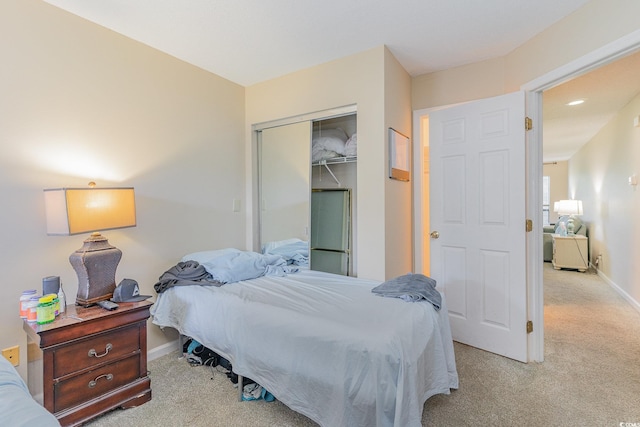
(323, 344)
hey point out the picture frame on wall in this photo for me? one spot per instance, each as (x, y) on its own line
(399, 156)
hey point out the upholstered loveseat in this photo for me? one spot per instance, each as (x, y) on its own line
(547, 241)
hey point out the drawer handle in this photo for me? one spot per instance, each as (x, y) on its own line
(93, 383)
(92, 352)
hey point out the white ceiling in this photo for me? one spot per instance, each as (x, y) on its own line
(605, 90)
(250, 41)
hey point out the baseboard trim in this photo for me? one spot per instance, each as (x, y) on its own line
(620, 291)
(162, 350)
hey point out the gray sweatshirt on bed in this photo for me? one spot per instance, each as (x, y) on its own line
(411, 287)
(183, 274)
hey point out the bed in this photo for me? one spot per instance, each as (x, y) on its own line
(17, 407)
(322, 344)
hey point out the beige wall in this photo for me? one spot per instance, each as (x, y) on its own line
(461, 84)
(361, 80)
(81, 103)
(558, 173)
(598, 175)
(398, 206)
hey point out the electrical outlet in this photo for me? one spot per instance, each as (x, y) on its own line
(12, 354)
(598, 260)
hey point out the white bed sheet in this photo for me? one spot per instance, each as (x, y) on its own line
(323, 344)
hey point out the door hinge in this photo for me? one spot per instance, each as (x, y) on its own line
(529, 225)
(528, 123)
(529, 326)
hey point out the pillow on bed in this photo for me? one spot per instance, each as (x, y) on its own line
(233, 265)
(294, 251)
(269, 246)
(204, 256)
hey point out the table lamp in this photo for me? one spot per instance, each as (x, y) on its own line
(571, 208)
(72, 211)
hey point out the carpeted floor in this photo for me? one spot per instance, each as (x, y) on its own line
(590, 377)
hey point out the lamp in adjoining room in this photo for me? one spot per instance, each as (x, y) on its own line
(571, 208)
(73, 211)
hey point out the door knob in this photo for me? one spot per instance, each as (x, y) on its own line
(435, 234)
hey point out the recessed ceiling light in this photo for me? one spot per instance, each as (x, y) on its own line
(576, 102)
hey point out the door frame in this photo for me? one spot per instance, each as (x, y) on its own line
(533, 158)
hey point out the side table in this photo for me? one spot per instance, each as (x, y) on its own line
(89, 361)
(570, 251)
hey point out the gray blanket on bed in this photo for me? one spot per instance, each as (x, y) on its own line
(411, 287)
(183, 274)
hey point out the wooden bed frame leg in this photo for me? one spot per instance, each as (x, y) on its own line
(240, 381)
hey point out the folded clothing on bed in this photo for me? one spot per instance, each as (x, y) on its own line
(184, 274)
(411, 287)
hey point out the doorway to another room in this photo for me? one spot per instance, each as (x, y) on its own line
(423, 165)
(472, 202)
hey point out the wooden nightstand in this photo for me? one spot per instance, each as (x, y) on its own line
(570, 252)
(89, 361)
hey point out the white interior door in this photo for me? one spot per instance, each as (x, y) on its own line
(477, 214)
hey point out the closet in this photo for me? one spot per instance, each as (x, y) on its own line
(307, 176)
(333, 183)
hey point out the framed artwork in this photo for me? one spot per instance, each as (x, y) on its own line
(399, 156)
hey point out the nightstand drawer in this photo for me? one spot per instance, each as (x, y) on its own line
(97, 350)
(94, 383)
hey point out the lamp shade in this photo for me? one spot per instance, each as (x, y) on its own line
(82, 210)
(570, 207)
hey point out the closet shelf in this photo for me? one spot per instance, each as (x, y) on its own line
(336, 160)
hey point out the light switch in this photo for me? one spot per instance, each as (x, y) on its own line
(236, 205)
